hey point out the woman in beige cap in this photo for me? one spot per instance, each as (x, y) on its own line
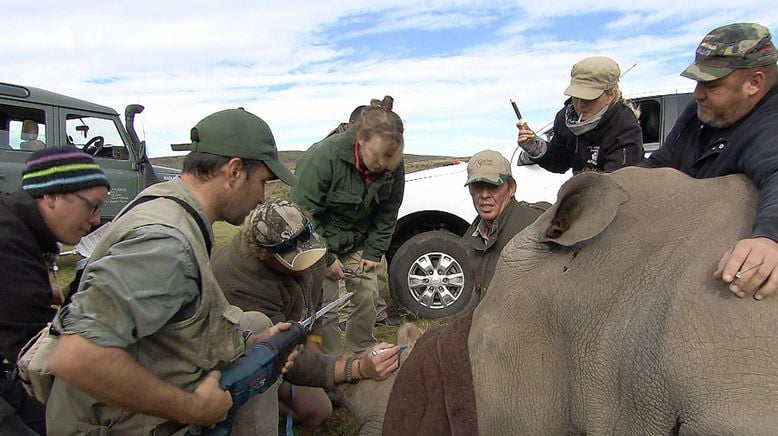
(597, 130)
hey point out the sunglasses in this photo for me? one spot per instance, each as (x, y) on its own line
(290, 244)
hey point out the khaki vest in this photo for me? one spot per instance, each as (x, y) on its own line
(180, 353)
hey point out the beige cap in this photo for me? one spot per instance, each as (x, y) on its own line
(281, 228)
(590, 77)
(488, 166)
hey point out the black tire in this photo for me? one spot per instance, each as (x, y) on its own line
(430, 275)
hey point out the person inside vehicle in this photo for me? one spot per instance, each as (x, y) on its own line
(500, 217)
(596, 130)
(30, 141)
(62, 193)
(141, 339)
(275, 265)
(732, 127)
(352, 185)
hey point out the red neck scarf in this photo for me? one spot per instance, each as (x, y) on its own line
(366, 174)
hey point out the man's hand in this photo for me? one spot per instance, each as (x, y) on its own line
(366, 265)
(264, 335)
(751, 266)
(213, 402)
(380, 361)
(334, 272)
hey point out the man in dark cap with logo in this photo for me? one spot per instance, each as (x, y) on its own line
(500, 216)
(732, 127)
(140, 342)
(62, 193)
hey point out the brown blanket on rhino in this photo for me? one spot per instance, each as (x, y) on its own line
(433, 392)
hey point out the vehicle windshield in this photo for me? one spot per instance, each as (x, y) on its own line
(88, 131)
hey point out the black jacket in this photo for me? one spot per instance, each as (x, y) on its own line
(25, 290)
(616, 142)
(750, 147)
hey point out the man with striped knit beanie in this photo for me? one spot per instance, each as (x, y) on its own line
(63, 191)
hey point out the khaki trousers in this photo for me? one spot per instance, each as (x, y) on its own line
(361, 321)
(381, 294)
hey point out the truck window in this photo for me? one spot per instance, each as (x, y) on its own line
(97, 136)
(650, 124)
(22, 128)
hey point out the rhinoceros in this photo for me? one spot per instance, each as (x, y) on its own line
(604, 317)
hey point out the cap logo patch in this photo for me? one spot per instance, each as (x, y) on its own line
(483, 162)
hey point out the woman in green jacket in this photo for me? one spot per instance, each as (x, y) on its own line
(352, 184)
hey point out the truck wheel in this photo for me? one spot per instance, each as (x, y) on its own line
(430, 275)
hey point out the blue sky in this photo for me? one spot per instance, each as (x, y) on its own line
(304, 65)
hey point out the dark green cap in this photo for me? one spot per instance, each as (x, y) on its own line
(239, 133)
(731, 47)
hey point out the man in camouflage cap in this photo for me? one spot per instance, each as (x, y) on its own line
(275, 265)
(732, 127)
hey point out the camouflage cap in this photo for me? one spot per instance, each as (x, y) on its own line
(488, 166)
(731, 47)
(239, 133)
(282, 228)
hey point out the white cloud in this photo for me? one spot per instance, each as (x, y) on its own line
(303, 66)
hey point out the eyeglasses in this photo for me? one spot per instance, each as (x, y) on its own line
(95, 208)
(291, 244)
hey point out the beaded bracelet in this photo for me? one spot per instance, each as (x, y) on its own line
(349, 379)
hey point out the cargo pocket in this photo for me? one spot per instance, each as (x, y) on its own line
(226, 342)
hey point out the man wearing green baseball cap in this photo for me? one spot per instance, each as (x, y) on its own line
(732, 127)
(140, 342)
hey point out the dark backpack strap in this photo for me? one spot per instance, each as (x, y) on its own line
(198, 219)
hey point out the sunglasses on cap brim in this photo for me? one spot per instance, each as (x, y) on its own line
(291, 244)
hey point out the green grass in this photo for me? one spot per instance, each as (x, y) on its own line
(341, 422)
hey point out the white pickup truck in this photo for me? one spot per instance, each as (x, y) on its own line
(429, 271)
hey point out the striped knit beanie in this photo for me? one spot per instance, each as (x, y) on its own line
(59, 170)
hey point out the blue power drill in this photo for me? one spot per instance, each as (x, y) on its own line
(259, 367)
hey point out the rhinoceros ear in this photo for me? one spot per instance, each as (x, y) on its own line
(585, 206)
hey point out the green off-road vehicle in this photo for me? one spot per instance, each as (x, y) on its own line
(31, 119)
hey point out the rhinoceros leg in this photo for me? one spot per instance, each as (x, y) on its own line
(433, 392)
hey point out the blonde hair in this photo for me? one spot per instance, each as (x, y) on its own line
(618, 97)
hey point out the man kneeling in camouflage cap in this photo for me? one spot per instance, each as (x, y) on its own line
(732, 127)
(275, 265)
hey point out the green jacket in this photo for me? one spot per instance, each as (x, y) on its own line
(483, 256)
(349, 215)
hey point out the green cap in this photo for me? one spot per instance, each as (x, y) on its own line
(239, 133)
(731, 47)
